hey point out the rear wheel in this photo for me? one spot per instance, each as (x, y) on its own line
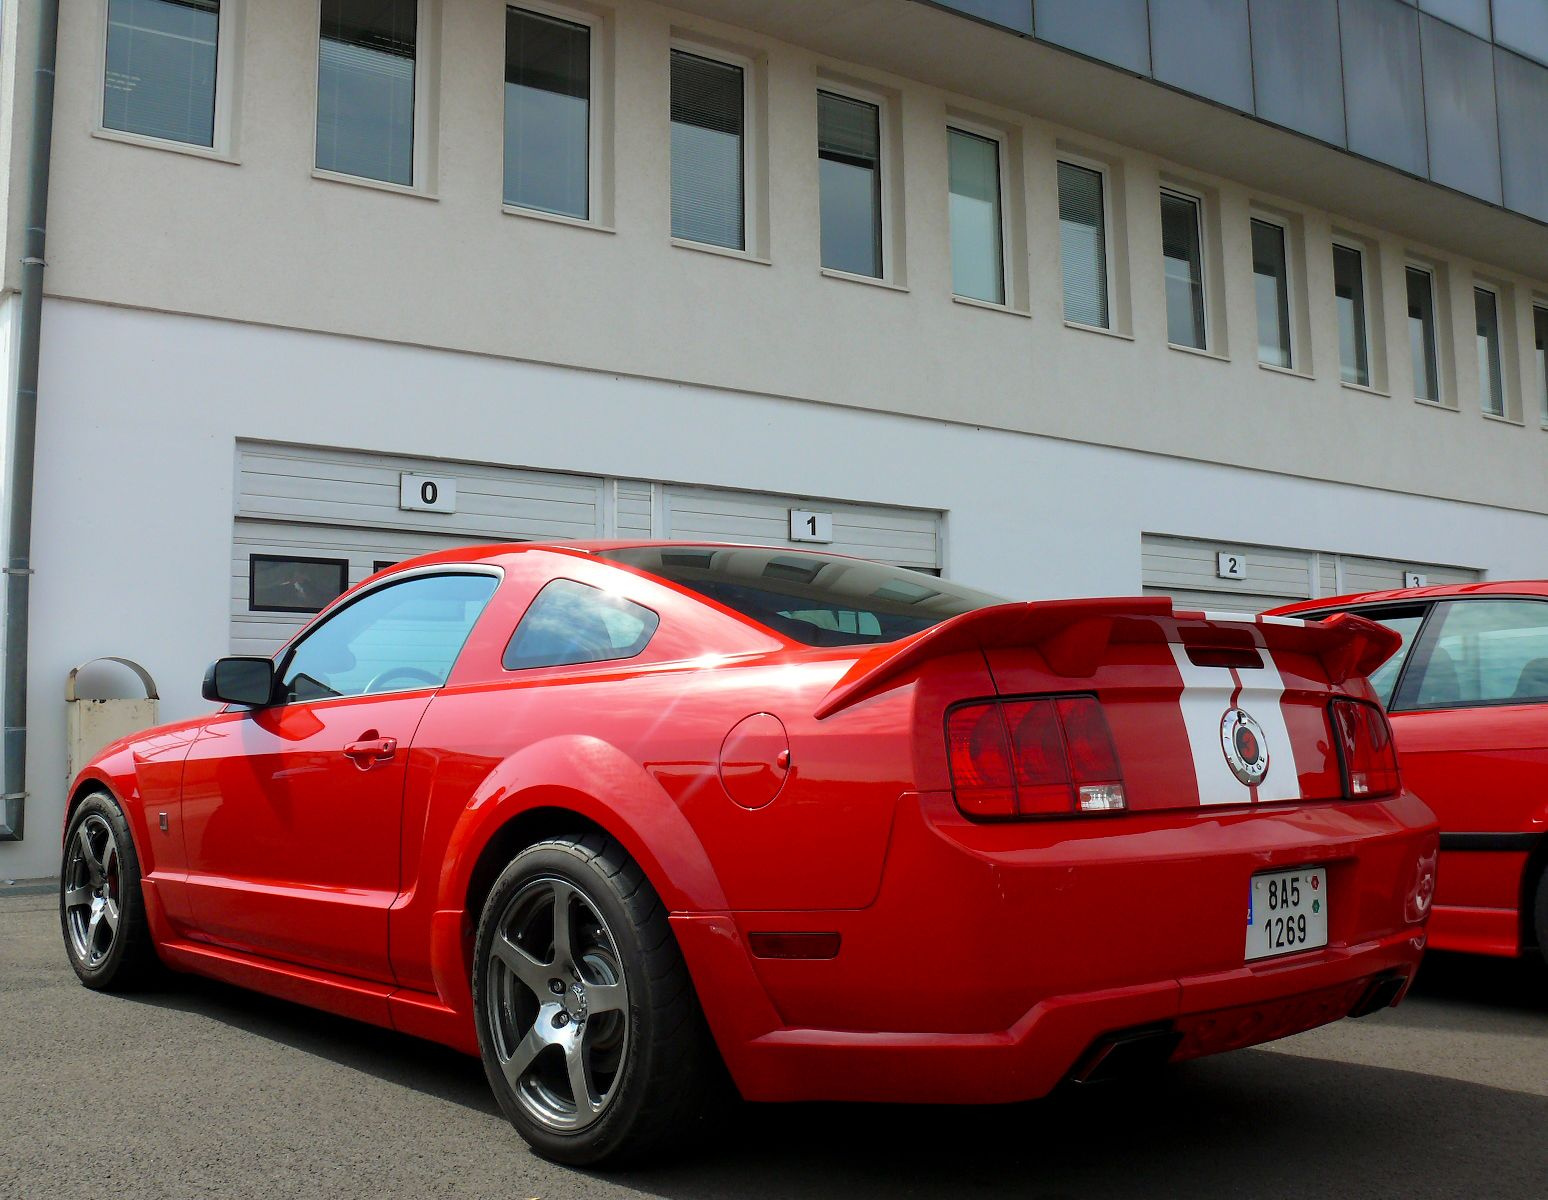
(590, 1031)
(1540, 914)
(101, 909)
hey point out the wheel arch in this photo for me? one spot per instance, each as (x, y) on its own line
(1535, 870)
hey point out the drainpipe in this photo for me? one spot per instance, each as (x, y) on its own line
(24, 429)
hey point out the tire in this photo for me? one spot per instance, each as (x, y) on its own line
(607, 1006)
(101, 907)
(1540, 914)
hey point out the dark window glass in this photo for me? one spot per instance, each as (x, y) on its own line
(1459, 108)
(977, 258)
(816, 599)
(1083, 245)
(1297, 74)
(284, 583)
(547, 114)
(1203, 47)
(1540, 357)
(708, 126)
(398, 638)
(1116, 31)
(1421, 334)
(1383, 83)
(1471, 15)
(382, 564)
(569, 623)
(1182, 250)
(1013, 14)
(1522, 92)
(849, 168)
(1485, 652)
(1490, 387)
(1272, 278)
(365, 88)
(1349, 295)
(160, 79)
(1405, 622)
(1522, 25)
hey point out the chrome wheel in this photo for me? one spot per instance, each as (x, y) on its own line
(558, 1005)
(91, 891)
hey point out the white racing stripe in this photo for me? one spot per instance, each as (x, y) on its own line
(1205, 698)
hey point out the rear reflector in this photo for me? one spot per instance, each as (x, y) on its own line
(1365, 749)
(794, 945)
(1033, 758)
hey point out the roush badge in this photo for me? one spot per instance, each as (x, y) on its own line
(1246, 749)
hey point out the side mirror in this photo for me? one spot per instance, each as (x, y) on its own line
(240, 680)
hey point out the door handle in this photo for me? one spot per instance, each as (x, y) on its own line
(371, 750)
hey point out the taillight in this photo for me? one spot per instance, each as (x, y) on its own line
(1033, 758)
(1365, 749)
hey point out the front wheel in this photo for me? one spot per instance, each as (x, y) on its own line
(589, 1028)
(101, 909)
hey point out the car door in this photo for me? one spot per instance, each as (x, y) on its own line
(1471, 720)
(293, 811)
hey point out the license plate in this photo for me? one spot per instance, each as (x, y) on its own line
(1287, 911)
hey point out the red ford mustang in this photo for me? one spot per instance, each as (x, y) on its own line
(613, 814)
(1468, 697)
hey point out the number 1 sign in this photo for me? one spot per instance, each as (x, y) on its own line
(810, 526)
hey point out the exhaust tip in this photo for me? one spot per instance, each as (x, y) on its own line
(1126, 1052)
(1384, 992)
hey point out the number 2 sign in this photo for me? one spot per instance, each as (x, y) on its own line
(427, 493)
(810, 526)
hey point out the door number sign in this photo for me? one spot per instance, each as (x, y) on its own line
(810, 526)
(427, 493)
(1231, 565)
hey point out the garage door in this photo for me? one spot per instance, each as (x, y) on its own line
(313, 521)
(1198, 573)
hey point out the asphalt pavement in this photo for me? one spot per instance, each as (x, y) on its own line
(205, 1090)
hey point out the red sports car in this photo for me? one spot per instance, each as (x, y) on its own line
(613, 814)
(1468, 696)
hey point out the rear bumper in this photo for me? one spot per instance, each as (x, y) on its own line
(996, 961)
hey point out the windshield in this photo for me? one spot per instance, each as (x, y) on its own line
(818, 599)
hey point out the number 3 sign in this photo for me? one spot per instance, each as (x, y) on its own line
(427, 493)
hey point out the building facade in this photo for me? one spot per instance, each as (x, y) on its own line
(1237, 301)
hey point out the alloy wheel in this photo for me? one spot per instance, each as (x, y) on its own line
(558, 1005)
(91, 891)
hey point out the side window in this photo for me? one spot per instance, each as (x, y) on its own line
(570, 623)
(399, 638)
(1486, 652)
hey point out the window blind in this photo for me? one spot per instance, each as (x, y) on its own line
(547, 114)
(1083, 245)
(160, 76)
(365, 88)
(849, 179)
(708, 119)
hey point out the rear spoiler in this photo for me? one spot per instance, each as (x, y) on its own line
(1073, 637)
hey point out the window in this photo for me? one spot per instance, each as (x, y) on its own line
(161, 69)
(1349, 295)
(1083, 244)
(1490, 386)
(977, 229)
(1540, 340)
(709, 115)
(1485, 652)
(547, 114)
(366, 70)
(1182, 248)
(569, 623)
(1421, 334)
(288, 584)
(400, 637)
(1271, 276)
(849, 170)
(815, 599)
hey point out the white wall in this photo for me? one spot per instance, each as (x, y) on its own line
(141, 413)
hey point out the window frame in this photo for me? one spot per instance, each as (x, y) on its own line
(1105, 171)
(1539, 305)
(1432, 274)
(752, 183)
(595, 25)
(1495, 292)
(1206, 314)
(256, 557)
(422, 171)
(1287, 243)
(1335, 245)
(1002, 157)
(887, 247)
(1404, 692)
(223, 132)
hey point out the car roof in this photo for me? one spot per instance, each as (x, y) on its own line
(590, 546)
(1504, 587)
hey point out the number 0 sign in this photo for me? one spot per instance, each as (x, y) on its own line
(427, 493)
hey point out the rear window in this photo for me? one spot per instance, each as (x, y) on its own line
(817, 599)
(1405, 622)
